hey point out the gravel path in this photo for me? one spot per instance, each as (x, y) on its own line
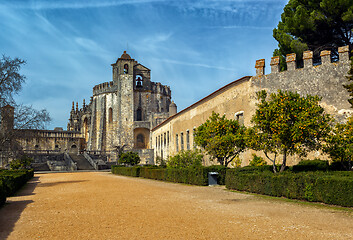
(92, 205)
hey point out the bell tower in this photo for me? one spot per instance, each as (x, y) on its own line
(123, 79)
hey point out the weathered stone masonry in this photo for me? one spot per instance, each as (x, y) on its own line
(122, 112)
(237, 100)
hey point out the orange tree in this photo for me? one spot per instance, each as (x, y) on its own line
(223, 139)
(339, 144)
(287, 124)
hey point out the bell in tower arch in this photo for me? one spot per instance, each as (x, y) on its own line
(126, 69)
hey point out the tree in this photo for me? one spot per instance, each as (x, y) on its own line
(129, 158)
(21, 163)
(25, 117)
(223, 139)
(339, 143)
(184, 159)
(287, 124)
(257, 161)
(314, 25)
(10, 79)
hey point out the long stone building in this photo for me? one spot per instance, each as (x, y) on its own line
(237, 100)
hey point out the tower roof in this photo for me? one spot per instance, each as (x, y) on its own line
(125, 56)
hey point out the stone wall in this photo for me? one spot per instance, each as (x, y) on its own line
(237, 100)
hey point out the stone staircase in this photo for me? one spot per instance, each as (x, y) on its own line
(81, 162)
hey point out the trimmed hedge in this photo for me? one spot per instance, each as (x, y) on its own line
(311, 165)
(194, 176)
(2, 193)
(11, 181)
(126, 171)
(328, 187)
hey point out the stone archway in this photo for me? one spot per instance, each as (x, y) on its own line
(141, 138)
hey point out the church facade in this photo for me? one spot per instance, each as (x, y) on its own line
(122, 112)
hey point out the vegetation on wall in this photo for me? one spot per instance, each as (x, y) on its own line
(287, 124)
(223, 139)
(314, 25)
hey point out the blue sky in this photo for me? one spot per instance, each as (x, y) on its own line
(195, 47)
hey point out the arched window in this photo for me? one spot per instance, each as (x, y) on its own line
(139, 81)
(74, 146)
(110, 117)
(139, 114)
(126, 69)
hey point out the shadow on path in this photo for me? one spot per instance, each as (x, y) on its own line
(11, 211)
(50, 184)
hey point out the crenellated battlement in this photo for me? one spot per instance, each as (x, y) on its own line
(103, 87)
(307, 58)
(325, 80)
(160, 88)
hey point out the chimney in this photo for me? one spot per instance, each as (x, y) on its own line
(7, 119)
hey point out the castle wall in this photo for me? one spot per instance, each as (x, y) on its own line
(47, 140)
(237, 100)
(325, 80)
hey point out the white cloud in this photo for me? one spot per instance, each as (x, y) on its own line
(195, 64)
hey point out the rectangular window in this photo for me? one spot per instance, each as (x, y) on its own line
(165, 140)
(239, 116)
(159, 141)
(187, 140)
(176, 143)
(181, 141)
(193, 138)
(168, 139)
(156, 142)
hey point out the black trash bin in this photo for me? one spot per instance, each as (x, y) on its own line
(212, 178)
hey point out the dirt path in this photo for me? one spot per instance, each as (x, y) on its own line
(104, 206)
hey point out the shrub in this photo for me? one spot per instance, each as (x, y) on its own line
(184, 159)
(22, 163)
(311, 165)
(126, 171)
(339, 166)
(13, 180)
(257, 161)
(129, 158)
(2, 193)
(332, 188)
(160, 161)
